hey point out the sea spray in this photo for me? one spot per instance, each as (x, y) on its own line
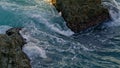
(31, 48)
(113, 8)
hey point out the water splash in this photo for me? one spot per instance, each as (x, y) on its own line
(113, 7)
(50, 44)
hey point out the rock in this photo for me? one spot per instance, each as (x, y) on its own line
(82, 14)
(11, 54)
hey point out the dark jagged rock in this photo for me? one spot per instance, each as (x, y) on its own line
(82, 14)
(11, 55)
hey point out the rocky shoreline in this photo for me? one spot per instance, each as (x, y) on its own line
(79, 15)
(11, 54)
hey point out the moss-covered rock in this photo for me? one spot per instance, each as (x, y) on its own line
(82, 14)
(11, 54)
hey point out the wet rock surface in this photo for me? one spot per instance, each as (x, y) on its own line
(82, 14)
(11, 54)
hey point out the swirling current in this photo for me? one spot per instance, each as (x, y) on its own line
(50, 44)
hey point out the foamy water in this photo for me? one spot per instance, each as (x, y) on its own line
(50, 44)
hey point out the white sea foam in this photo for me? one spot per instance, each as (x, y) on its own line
(32, 48)
(4, 28)
(114, 10)
(113, 7)
(53, 27)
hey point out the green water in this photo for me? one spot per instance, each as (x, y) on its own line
(50, 44)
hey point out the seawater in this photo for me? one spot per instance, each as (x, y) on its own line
(50, 44)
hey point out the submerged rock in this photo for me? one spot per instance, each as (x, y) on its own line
(11, 54)
(82, 14)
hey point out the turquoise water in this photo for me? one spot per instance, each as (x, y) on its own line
(50, 44)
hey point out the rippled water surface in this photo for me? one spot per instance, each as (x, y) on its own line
(50, 44)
